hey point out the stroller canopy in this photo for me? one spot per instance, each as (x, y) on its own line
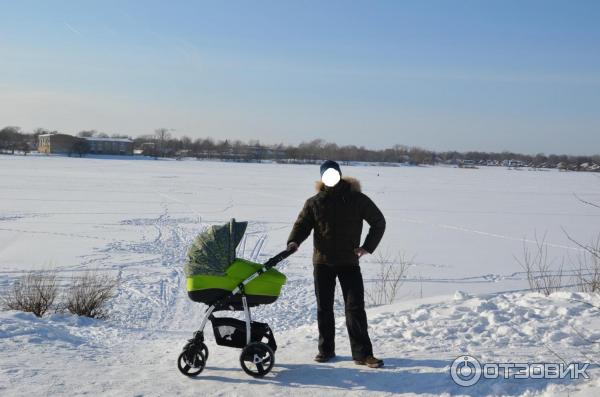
(213, 250)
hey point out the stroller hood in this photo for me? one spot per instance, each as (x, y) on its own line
(213, 250)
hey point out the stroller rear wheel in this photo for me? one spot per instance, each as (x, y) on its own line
(192, 360)
(257, 359)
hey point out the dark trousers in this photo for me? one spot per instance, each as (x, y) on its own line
(354, 302)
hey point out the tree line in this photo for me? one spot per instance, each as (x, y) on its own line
(162, 143)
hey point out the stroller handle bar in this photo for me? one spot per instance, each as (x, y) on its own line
(278, 258)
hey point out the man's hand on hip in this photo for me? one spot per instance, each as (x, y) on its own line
(360, 251)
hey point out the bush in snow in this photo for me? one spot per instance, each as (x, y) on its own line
(588, 271)
(34, 292)
(88, 295)
(388, 279)
(542, 275)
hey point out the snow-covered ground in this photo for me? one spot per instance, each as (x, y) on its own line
(63, 355)
(135, 219)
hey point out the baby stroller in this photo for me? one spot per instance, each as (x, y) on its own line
(223, 282)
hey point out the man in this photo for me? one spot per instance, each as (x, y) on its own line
(336, 215)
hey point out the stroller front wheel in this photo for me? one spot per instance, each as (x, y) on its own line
(204, 351)
(192, 360)
(257, 359)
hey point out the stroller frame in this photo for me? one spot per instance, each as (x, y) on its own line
(193, 358)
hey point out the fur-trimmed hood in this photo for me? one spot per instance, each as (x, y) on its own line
(353, 183)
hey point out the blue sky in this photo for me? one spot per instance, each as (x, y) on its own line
(464, 75)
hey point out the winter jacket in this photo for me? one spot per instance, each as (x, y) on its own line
(336, 215)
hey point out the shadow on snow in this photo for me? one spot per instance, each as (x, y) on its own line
(397, 376)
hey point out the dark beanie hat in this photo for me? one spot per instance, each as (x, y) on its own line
(330, 164)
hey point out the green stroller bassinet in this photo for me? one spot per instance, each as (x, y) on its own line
(213, 271)
(264, 289)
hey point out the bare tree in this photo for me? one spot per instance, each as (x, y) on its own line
(11, 139)
(588, 271)
(162, 135)
(81, 147)
(87, 133)
(120, 136)
(24, 147)
(388, 280)
(35, 292)
(40, 131)
(542, 275)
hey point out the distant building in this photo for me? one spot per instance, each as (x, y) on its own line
(65, 144)
(513, 163)
(56, 143)
(183, 153)
(467, 164)
(110, 146)
(589, 167)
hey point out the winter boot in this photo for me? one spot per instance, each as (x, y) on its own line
(370, 362)
(323, 358)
